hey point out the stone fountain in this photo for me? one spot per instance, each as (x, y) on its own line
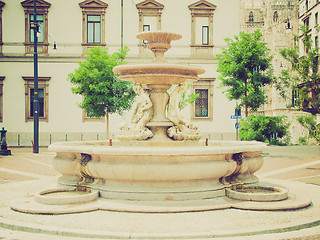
(159, 161)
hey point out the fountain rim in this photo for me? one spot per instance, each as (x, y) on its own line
(164, 66)
(91, 147)
(174, 36)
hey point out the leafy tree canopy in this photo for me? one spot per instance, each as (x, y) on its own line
(270, 129)
(303, 76)
(245, 67)
(100, 87)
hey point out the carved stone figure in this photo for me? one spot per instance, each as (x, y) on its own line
(136, 128)
(181, 129)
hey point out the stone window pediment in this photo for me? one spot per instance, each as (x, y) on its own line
(150, 5)
(93, 23)
(93, 4)
(202, 28)
(150, 12)
(41, 4)
(202, 7)
(42, 11)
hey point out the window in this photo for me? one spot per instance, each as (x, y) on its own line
(40, 33)
(150, 12)
(146, 28)
(205, 35)
(87, 117)
(251, 17)
(294, 97)
(93, 23)
(94, 29)
(275, 16)
(40, 100)
(202, 107)
(1, 43)
(43, 97)
(42, 20)
(201, 104)
(316, 41)
(306, 22)
(316, 19)
(307, 4)
(202, 28)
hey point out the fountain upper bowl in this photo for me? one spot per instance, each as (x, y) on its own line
(155, 73)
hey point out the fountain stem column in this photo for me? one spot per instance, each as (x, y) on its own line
(159, 123)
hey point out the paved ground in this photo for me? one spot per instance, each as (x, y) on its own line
(297, 163)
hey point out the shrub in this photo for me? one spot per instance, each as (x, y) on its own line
(273, 130)
(310, 123)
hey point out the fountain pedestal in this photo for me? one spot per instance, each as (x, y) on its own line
(159, 76)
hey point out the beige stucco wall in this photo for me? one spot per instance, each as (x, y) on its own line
(65, 29)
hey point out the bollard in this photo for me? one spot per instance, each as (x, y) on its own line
(4, 151)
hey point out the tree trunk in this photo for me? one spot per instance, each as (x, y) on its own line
(107, 123)
(245, 95)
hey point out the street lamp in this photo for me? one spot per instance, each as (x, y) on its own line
(35, 95)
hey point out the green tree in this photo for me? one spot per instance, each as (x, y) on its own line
(103, 93)
(303, 76)
(310, 123)
(245, 68)
(270, 129)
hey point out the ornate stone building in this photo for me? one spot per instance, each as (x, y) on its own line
(278, 21)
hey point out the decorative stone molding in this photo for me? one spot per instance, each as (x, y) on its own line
(43, 83)
(42, 8)
(205, 9)
(207, 84)
(148, 8)
(93, 7)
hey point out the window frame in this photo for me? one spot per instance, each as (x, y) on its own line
(144, 30)
(43, 83)
(42, 9)
(94, 25)
(205, 39)
(148, 8)
(198, 91)
(203, 84)
(251, 17)
(201, 9)
(93, 8)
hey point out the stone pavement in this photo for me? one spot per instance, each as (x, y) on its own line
(294, 163)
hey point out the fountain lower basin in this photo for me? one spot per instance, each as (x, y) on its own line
(63, 196)
(145, 170)
(257, 193)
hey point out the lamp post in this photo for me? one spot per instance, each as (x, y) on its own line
(121, 24)
(35, 95)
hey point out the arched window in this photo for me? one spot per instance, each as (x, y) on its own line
(251, 18)
(275, 16)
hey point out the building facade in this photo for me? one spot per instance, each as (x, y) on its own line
(67, 29)
(278, 21)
